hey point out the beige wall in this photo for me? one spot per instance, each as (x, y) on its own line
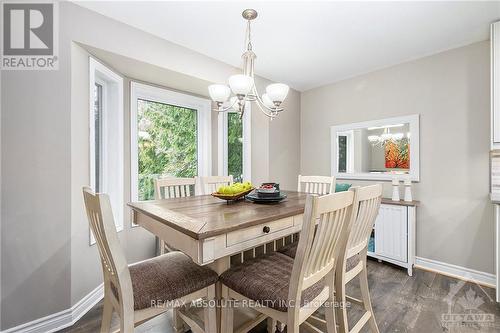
(284, 144)
(451, 93)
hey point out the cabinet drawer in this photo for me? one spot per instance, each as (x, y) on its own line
(250, 233)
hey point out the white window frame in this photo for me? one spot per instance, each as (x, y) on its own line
(222, 165)
(112, 101)
(165, 96)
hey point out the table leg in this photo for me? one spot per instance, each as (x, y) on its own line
(219, 266)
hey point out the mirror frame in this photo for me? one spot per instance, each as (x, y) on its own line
(413, 120)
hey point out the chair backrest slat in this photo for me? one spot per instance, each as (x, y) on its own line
(171, 187)
(320, 185)
(368, 199)
(210, 184)
(318, 251)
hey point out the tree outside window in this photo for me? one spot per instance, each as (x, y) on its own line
(235, 146)
(167, 143)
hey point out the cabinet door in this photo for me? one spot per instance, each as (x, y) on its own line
(391, 229)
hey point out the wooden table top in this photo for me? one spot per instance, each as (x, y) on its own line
(204, 216)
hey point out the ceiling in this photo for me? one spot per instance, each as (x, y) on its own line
(310, 44)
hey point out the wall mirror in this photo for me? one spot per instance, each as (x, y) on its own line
(377, 149)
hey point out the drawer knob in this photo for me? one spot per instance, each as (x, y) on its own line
(266, 229)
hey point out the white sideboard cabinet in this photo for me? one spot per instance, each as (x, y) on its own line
(393, 236)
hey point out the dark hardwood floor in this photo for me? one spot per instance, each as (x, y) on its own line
(425, 303)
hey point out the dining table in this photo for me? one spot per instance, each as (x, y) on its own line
(217, 233)
(211, 230)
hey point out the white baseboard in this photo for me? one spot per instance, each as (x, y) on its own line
(459, 272)
(63, 319)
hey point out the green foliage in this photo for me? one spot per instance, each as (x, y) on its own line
(167, 143)
(235, 146)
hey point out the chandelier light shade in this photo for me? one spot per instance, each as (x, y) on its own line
(277, 92)
(243, 85)
(219, 92)
(267, 101)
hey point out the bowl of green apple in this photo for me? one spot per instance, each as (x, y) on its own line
(234, 191)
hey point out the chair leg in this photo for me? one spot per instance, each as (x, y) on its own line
(159, 246)
(227, 312)
(177, 321)
(107, 314)
(271, 325)
(127, 322)
(365, 294)
(292, 328)
(211, 311)
(330, 306)
(340, 297)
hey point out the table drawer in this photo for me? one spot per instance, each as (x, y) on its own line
(260, 230)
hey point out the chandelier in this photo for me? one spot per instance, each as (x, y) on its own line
(382, 139)
(243, 85)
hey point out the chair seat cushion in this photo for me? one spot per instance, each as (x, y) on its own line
(167, 277)
(266, 280)
(290, 250)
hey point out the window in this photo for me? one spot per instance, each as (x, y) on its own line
(97, 169)
(170, 136)
(342, 153)
(234, 145)
(345, 141)
(106, 136)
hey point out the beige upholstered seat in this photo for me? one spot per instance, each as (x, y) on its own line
(166, 278)
(267, 280)
(289, 250)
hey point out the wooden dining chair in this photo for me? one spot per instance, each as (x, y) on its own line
(133, 290)
(289, 290)
(210, 184)
(172, 187)
(353, 262)
(367, 200)
(316, 184)
(319, 185)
